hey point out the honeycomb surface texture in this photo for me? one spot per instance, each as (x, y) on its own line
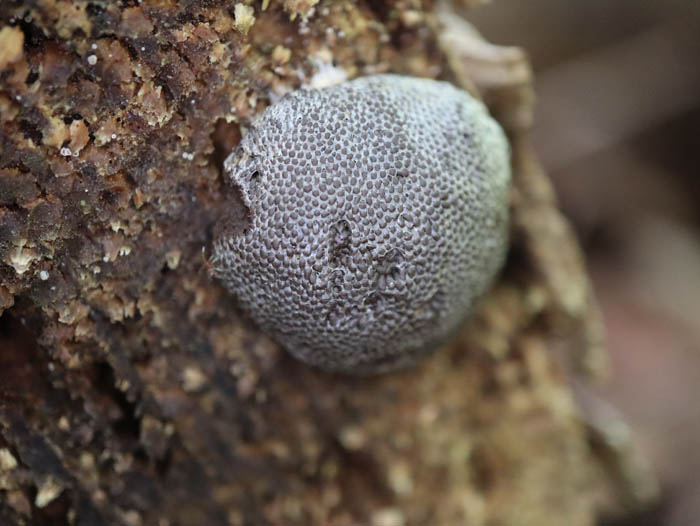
(369, 216)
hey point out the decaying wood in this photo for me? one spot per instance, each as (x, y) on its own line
(132, 391)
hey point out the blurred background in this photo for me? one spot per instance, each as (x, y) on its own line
(618, 130)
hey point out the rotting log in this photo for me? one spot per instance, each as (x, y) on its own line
(133, 392)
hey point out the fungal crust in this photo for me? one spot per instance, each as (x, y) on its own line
(376, 214)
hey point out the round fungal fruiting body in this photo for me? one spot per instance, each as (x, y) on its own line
(367, 218)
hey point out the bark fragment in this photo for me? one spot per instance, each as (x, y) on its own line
(134, 393)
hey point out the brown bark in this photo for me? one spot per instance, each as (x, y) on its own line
(132, 391)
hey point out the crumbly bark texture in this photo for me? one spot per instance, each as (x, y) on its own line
(377, 214)
(132, 391)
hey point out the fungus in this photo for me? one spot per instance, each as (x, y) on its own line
(366, 219)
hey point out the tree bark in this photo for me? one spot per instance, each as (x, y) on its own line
(131, 389)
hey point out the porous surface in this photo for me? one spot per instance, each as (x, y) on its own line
(376, 213)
